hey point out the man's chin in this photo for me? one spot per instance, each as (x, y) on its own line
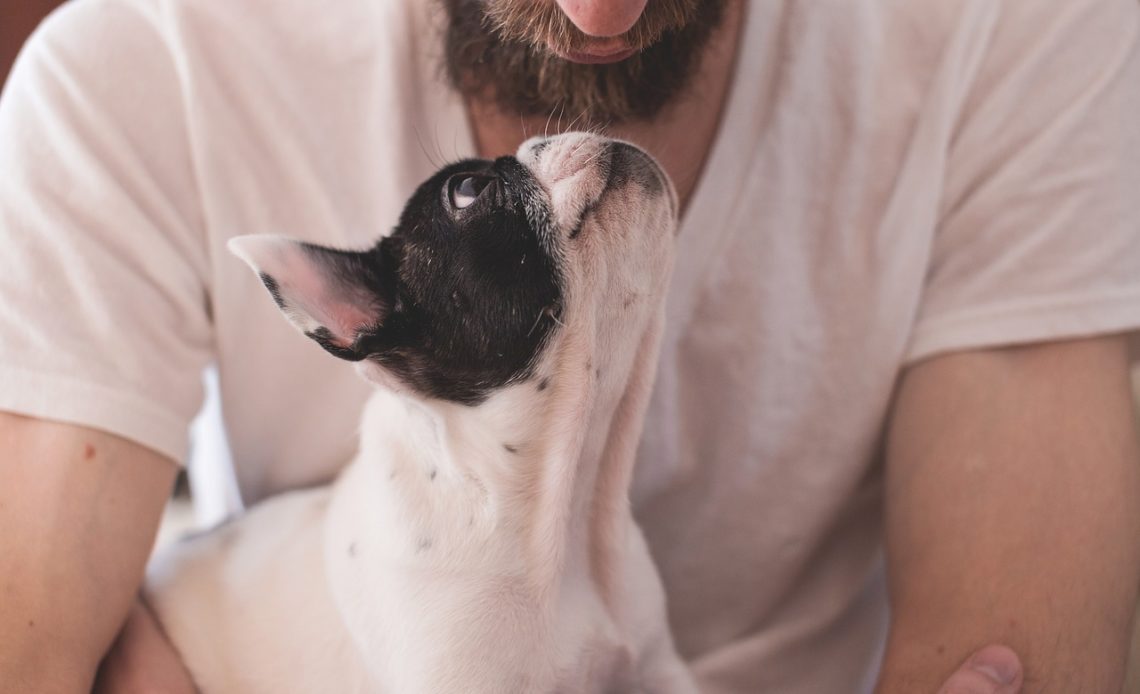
(592, 58)
(606, 81)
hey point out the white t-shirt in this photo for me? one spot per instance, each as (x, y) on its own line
(892, 179)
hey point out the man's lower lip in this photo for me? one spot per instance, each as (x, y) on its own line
(591, 59)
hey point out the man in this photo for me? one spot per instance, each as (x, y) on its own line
(909, 260)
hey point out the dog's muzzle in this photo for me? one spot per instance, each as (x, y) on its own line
(631, 164)
(580, 170)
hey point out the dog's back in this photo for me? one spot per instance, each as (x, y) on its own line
(248, 606)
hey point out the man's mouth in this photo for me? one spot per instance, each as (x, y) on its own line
(597, 56)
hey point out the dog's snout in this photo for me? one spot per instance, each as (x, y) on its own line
(564, 156)
(579, 171)
(629, 163)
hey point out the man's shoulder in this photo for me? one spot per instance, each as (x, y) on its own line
(922, 46)
(250, 30)
(1013, 25)
(938, 21)
(257, 62)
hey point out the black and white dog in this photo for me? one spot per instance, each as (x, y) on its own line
(481, 542)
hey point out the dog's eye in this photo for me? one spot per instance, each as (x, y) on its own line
(464, 189)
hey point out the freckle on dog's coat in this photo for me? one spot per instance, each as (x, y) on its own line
(481, 542)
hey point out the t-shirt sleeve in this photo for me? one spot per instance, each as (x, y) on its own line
(1039, 237)
(104, 317)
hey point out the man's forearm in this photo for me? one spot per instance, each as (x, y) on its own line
(79, 509)
(1012, 517)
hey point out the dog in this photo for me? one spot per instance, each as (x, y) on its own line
(482, 541)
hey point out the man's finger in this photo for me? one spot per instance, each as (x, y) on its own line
(992, 670)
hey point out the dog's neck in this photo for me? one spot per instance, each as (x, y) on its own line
(544, 464)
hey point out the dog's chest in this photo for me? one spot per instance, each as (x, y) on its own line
(437, 598)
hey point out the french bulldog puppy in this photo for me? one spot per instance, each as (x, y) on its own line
(481, 542)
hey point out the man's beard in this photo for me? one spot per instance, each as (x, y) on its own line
(501, 51)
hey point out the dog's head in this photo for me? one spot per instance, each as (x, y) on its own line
(491, 264)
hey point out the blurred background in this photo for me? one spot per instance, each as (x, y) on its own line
(210, 455)
(17, 19)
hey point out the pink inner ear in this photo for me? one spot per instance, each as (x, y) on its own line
(340, 309)
(313, 299)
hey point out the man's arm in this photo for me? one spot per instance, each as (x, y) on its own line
(79, 509)
(1013, 516)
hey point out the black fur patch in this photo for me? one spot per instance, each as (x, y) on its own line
(462, 294)
(274, 289)
(325, 339)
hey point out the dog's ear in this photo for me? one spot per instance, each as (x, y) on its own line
(335, 297)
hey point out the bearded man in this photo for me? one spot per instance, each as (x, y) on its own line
(895, 368)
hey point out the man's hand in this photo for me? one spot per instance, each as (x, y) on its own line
(79, 510)
(1012, 512)
(992, 670)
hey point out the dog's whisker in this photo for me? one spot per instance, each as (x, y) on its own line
(537, 320)
(580, 117)
(592, 159)
(438, 146)
(594, 156)
(423, 149)
(561, 114)
(546, 128)
(455, 144)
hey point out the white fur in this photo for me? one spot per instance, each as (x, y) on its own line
(473, 550)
